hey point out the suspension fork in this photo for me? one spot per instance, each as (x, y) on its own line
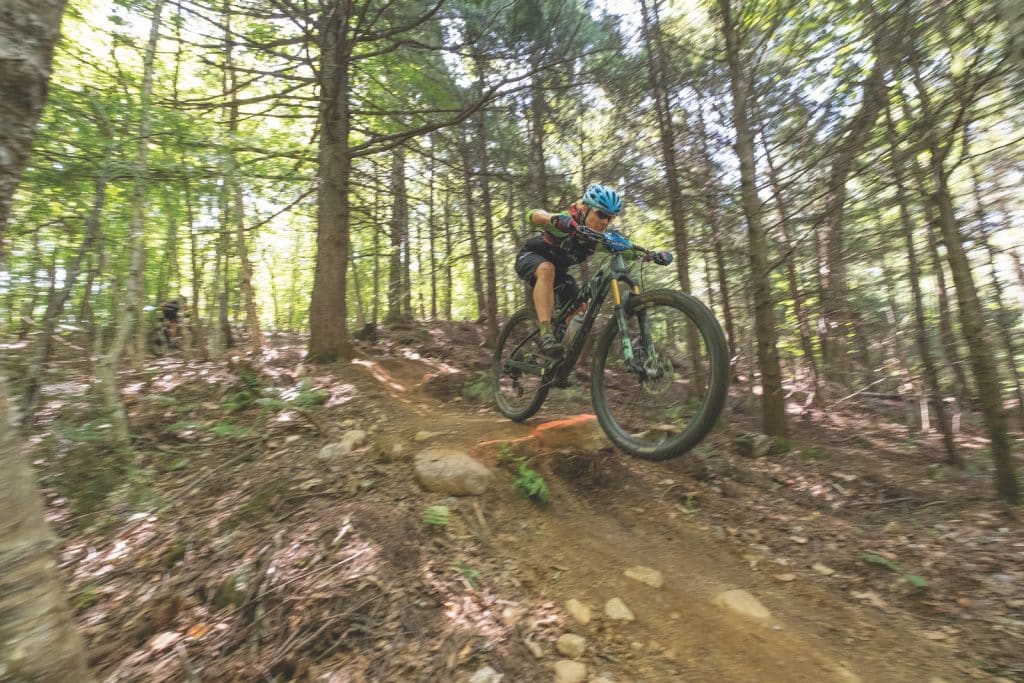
(620, 318)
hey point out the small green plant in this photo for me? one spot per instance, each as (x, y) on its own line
(271, 403)
(230, 431)
(689, 505)
(913, 579)
(505, 453)
(479, 389)
(934, 472)
(531, 485)
(469, 574)
(814, 453)
(310, 398)
(781, 445)
(436, 515)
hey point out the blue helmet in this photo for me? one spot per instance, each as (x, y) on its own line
(604, 198)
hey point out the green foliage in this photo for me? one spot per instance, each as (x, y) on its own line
(913, 579)
(309, 397)
(436, 515)
(468, 573)
(814, 453)
(88, 596)
(531, 485)
(935, 472)
(479, 389)
(689, 505)
(230, 431)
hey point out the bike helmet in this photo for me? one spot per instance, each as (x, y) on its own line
(604, 198)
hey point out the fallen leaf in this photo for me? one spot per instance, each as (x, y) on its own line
(823, 569)
(197, 631)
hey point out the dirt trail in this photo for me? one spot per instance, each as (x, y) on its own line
(606, 514)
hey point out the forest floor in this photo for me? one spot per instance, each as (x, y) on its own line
(233, 547)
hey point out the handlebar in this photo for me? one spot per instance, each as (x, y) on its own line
(614, 240)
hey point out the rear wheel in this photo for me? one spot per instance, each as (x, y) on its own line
(519, 388)
(659, 389)
(158, 342)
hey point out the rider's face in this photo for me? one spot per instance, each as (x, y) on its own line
(594, 219)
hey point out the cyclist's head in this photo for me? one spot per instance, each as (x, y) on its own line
(604, 199)
(603, 204)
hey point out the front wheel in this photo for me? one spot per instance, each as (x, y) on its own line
(659, 385)
(518, 366)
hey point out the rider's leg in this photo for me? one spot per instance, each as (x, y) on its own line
(544, 295)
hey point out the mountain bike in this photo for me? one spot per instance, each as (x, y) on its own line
(660, 368)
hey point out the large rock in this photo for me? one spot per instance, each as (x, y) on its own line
(446, 385)
(452, 472)
(580, 433)
(744, 603)
(350, 441)
(568, 671)
(571, 645)
(652, 577)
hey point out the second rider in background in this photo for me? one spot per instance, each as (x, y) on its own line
(544, 260)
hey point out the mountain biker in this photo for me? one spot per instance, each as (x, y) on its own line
(169, 309)
(544, 260)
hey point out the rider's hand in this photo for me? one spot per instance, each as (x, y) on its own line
(662, 258)
(564, 223)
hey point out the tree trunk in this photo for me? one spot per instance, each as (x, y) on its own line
(1003, 317)
(197, 278)
(773, 403)
(34, 379)
(328, 340)
(713, 218)
(803, 323)
(474, 248)
(131, 315)
(835, 310)
(491, 299)
(398, 284)
(656, 67)
(377, 222)
(432, 240)
(931, 375)
(447, 307)
(538, 172)
(971, 319)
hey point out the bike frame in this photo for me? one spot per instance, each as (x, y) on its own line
(594, 292)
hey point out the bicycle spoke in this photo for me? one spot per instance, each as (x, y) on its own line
(518, 387)
(655, 393)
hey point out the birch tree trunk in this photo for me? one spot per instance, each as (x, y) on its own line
(36, 629)
(131, 313)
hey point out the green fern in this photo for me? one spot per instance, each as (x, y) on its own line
(436, 515)
(913, 579)
(531, 485)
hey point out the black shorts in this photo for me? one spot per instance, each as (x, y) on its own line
(527, 261)
(171, 314)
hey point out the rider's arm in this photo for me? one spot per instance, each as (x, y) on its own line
(543, 218)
